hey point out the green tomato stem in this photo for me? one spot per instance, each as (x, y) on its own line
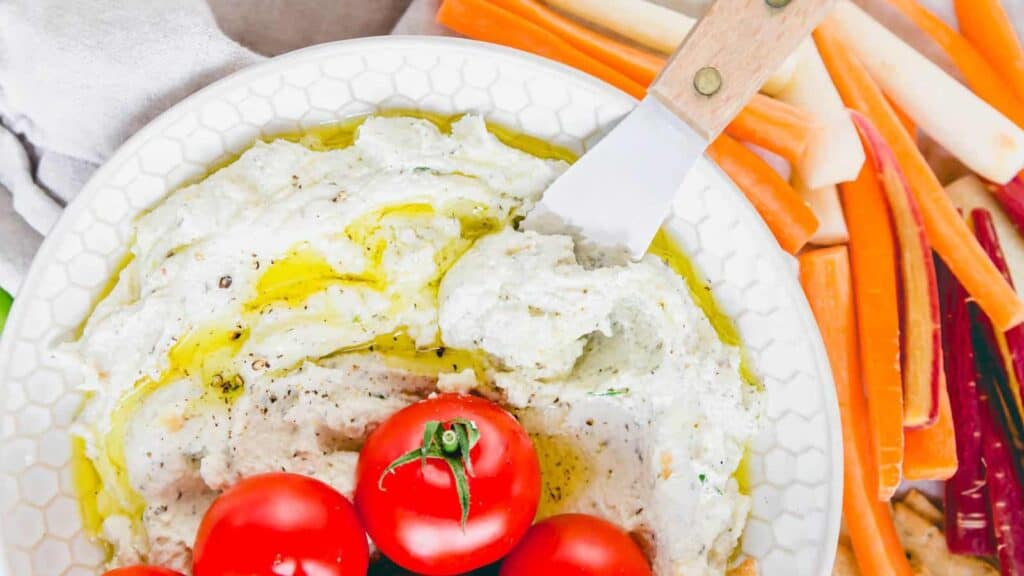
(449, 442)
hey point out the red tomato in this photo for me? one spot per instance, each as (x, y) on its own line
(576, 545)
(280, 524)
(413, 511)
(141, 571)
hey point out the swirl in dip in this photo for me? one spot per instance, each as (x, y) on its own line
(274, 313)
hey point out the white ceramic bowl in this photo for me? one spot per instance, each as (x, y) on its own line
(796, 464)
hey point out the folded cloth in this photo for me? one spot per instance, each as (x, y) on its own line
(18, 242)
(78, 78)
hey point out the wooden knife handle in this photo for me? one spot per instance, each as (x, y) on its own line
(735, 47)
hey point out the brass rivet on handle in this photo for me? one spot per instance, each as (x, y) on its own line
(777, 3)
(707, 81)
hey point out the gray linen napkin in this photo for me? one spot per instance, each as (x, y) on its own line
(78, 78)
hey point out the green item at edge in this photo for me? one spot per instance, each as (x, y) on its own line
(5, 307)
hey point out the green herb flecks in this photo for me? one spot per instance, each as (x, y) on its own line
(610, 392)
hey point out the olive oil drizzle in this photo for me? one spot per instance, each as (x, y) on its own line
(564, 470)
(208, 353)
(399, 351)
(665, 248)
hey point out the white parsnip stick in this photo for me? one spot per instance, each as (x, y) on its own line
(824, 201)
(653, 26)
(972, 130)
(834, 153)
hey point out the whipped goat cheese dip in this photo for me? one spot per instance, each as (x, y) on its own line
(272, 314)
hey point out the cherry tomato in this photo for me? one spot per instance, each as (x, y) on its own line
(576, 545)
(141, 571)
(415, 509)
(280, 524)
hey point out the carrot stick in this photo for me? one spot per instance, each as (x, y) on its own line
(640, 66)
(785, 213)
(967, 126)
(919, 298)
(988, 28)
(773, 125)
(946, 230)
(969, 193)
(825, 276)
(905, 120)
(931, 452)
(986, 81)
(1005, 488)
(968, 515)
(876, 294)
(827, 208)
(653, 26)
(1011, 342)
(530, 26)
(1011, 198)
(482, 20)
(522, 24)
(781, 128)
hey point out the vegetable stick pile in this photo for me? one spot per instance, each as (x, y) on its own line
(912, 283)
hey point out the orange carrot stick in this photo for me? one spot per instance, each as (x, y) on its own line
(482, 20)
(530, 26)
(781, 128)
(988, 28)
(906, 121)
(921, 345)
(876, 295)
(947, 231)
(641, 66)
(785, 213)
(773, 125)
(981, 76)
(931, 451)
(825, 276)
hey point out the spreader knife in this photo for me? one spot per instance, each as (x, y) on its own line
(618, 194)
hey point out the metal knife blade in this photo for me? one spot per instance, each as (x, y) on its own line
(620, 191)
